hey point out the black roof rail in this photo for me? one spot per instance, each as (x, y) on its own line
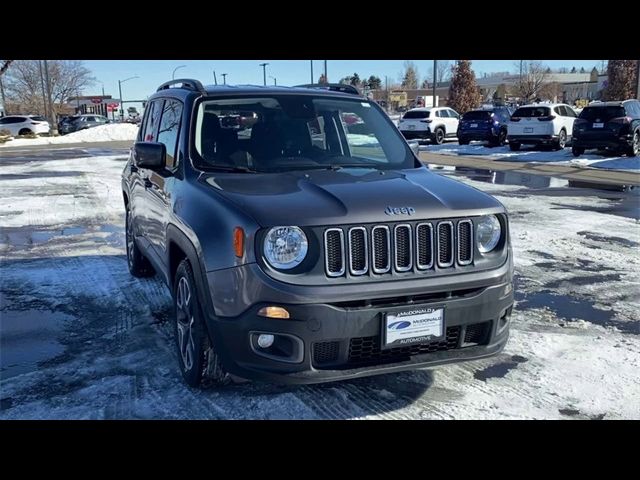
(334, 87)
(188, 83)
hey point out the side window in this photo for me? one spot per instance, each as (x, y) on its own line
(169, 130)
(151, 125)
(453, 114)
(560, 110)
(570, 112)
(441, 114)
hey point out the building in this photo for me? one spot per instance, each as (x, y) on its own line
(97, 104)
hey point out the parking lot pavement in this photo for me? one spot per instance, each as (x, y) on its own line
(81, 338)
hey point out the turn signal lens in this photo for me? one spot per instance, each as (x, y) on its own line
(238, 241)
(273, 312)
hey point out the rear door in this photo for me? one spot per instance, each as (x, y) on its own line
(415, 120)
(453, 121)
(569, 119)
(524, 121)
(601, 119)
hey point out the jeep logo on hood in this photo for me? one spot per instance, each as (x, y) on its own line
(400, 210)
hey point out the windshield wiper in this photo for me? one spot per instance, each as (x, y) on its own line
(225, 168)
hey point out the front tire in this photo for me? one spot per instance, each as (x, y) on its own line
(138, 264)
(500, 140)
(463, 141)
(577, 151)
(438, 136)
(634, 149)
(514, 146)
(198, 361)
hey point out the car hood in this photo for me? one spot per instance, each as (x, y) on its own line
(349, 196)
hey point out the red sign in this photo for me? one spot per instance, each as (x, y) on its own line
(112, 107)
(96, 100)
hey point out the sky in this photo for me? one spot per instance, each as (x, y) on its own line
(152, 73)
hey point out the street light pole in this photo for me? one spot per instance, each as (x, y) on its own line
(275, 81)
(638, 79)
(224, 78)
(52, 114)
(311, 62)
(326, 78)
(435, 79)
(264, 73)
(120, 82)
(44, 95)
(173, 75)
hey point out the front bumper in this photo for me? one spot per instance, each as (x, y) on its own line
(532, 139)
(351, 333)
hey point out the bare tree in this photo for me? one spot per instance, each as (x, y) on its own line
(534, 76)
(443, 71)
(5, 66)
(23, 83)
(409, 78)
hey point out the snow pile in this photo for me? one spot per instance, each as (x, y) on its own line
(527, 154)
(103, 133)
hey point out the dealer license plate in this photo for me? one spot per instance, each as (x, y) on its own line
(528, 130)
(412, 127)
(420, 325)
(598, 125)
(474, 125)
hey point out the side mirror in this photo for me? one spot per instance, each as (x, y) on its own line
(415, 147)
(149, 155)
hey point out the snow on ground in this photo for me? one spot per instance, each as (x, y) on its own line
(81, 338)
(561, 157)
(103, 133)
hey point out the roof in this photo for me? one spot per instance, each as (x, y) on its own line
(190, 85)
(616, 103)
(423, 109)
(542, 104)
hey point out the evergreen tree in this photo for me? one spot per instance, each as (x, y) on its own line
(374, 82)
(463, 93)
(582, 70)
(355, 80)
(622, 81)
(425, 84)
(573, 70)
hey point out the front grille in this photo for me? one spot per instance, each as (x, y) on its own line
(424, 246)
(477, 333)
(445, 244)
(403, 248)
(364, 350)
(465, 242)
(406, 247)
(334, 252)
(325, 352)
(358, 252)
(381, 249)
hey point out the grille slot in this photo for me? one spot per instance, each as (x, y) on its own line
(403, 248)
(365, 350)
(325, 352)
(445, 244)
(477, 333)
(358, 251)
(334, 252)
(465, 242)
(381, 249)
(424, 246)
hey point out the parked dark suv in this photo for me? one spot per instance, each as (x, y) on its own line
(297, 251)
(608, 125)
(488, 125)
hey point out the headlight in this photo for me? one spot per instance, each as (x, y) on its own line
(285, 247)
(488, 233)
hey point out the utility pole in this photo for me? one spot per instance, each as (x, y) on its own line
(52, 113)
(44, 95)
(275, 81)
(311, 62)
(264, 73)
(435, 79)
(4, 103)
(120, 82)
(638, 79)
(215, 79)
(326, 78)
(224, 78)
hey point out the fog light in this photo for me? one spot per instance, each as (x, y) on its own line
(273, 312)
(265, 340)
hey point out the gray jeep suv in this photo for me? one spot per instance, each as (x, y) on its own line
(298, 250)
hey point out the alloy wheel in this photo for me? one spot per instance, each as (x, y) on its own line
(185, 320)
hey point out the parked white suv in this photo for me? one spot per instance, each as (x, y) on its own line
(434, 123)
(24, 124)
(541, 124)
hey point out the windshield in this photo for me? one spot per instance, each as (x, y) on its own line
(602, 114)
(532, 112)
(417, 114)
(477, 115)
(291, 132)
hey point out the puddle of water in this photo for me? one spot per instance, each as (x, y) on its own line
(510, 178)
(499, 370)
(28, 338)
(588, 280)
(604, 239)
(571, 308)
(112, 228)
